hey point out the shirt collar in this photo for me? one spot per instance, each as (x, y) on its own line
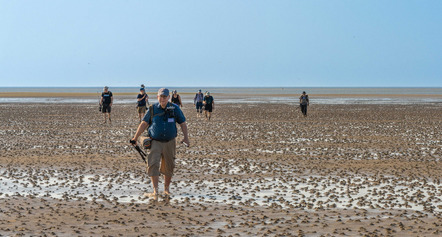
(159, 105)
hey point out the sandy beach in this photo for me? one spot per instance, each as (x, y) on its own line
(254, 170)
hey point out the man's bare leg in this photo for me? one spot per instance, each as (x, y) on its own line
(154, 180)
(167, 181)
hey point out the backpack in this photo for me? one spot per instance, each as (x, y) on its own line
(304, 99)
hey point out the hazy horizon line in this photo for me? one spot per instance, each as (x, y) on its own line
(429, 87)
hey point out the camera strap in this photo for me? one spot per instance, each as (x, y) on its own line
(152, 115)
(142, 154)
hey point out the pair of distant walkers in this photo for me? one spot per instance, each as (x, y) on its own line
(107, 100)
(207, 101)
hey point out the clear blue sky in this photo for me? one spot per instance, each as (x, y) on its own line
(221, 43)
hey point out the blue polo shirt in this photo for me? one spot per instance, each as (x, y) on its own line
(164, 121)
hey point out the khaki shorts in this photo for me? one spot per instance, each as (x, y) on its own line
(141, 110)
(161, 158)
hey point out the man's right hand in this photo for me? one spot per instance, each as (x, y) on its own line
(186, 142)
(133, 141)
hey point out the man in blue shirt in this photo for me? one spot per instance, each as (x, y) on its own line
(163, 132)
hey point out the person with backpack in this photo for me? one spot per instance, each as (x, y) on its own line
(303, 103)
(176, 99)
(160, 121)
(209, 105)
(142, 101)
(198, 102)
(106, 102)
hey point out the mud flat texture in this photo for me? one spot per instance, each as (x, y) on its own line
(253, 170)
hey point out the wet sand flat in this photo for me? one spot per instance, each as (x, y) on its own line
(254, 170)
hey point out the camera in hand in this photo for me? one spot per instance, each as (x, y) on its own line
(147, 143)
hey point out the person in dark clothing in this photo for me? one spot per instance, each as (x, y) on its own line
(142, 101)
(106, 102)
(176, 99)
(304, 102)
(198, 102)
(209, 105)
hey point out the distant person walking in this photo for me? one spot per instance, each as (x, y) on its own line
(142, 101)
(142, 86)
(163, 132)
(106, 102)
(176, 98)
(304, 102)
(198, 102)
(209, 105)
